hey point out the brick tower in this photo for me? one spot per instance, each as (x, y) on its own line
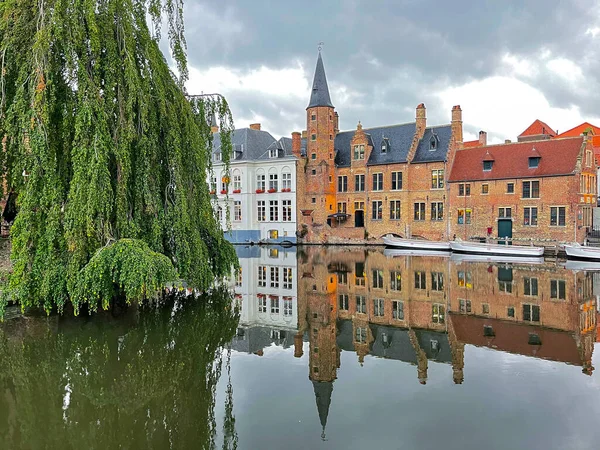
(317, 173)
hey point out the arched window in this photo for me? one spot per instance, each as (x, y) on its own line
(237, 180)
(260, 180)
(286, 179)
(273, 180)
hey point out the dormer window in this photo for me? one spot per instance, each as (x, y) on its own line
(487, 166)
(273, 153)
(534, 162)
(383, 147)
(432, 143)
(218, 157)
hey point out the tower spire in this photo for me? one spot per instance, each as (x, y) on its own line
(323, 390)
(320, 91)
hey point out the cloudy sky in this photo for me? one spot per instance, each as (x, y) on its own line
(506, 62)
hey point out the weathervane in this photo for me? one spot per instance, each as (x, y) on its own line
(320, 47)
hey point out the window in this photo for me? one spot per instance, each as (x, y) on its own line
(213, 184)
(220, 214)
(274, 304)
(505, 286)
(465, 279)
(534, 162)
(313, 200)
(342, 278)
(237, 181)
(464, 306)
(437, 211)
(530, 286)
(419, 211)
(262, 304)
(273, 153)
(359, 271)
(359, 206)
(361, 335)
(287, 307)
(485, 189)
(437, 281)
(273, 184)
(395, 281)
(383, 147)
(273, 234)
(398, 310)
(359, 152)
(557, 216)
(377, 210)
(531, 189)
(343, 183)
(420, 282)
(504, 213)
(361, 304)
(395, 209)
(237, 211)
(378, 182)
(260, 182)
(464, 216)
(510, 311)
(378, 279)
(510, 188)
(558, 289)
(378, 307)
(261, 211)
(344, 306)
(286, 181)
(274, 277)
(273, 210)
(464, 190)
(487, 166)
(432, 143)
(262, 276)
(313, 172)
(485, 308)
(396, 181)
(531, 313)
(359, 183)
(224, 184)
(341, 207)
(286, 210)
(218, 157)
(313, 117)
(238, 278)
(313, 137)
(287, 278)
(437, 179)
(438, 313)
(530, 216)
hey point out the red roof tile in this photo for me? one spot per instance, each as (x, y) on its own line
(538, 128)
(470, 144)
(558, 157)
(579, 129)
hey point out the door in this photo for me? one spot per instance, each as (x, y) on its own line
(504, 231)
(359, 218)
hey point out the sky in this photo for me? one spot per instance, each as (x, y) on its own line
(505, 62)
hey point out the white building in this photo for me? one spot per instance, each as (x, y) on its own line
(260, 192)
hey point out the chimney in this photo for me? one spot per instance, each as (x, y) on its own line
(421, 118)
(298, 350)
(255, 126)
(336, 123)
(296, 143)
(482, 138)
(457, 128)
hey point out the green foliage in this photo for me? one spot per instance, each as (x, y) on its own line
(101, 145)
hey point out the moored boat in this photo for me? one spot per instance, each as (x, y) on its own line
(399, 252)
(495, 249)
(465, 257)
(581, 252)
(421, 244)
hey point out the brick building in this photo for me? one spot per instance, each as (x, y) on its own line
(368, 182)
(536, 190)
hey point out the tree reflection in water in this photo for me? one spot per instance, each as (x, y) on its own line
(147, 380)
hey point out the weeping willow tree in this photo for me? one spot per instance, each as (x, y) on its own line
(106, 154)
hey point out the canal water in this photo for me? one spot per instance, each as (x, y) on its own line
(321, 348)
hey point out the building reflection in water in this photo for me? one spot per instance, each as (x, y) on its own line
(414, 309)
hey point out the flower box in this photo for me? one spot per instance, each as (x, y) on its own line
(271, 191)
(213, 192)
(223, 192)
(237, 191)
(260, 191)
(286, 190)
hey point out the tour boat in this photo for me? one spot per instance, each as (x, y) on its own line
(398, 252)
(421, 244)
(581, 252)
(495, 249)
(465, 257)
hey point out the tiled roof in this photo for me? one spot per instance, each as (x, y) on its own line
(579, 129)
(252, 145)
(538, 128)
(471, 144)
(442, 135)
(320, 91)
(558, 157)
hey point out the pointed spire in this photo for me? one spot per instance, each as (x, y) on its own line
(320, 91)
(323, 390)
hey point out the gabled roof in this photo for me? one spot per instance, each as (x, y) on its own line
(442, 134)
(320, 91)
(558, 157)
(579, 129)
(538, 128)
(252, 145)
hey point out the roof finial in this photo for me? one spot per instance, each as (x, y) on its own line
(320, 47)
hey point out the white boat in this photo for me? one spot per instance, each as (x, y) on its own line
(581, 252)
(495, 249)
(465, 257)
(580, 265)
(398, 252)
(422, 244)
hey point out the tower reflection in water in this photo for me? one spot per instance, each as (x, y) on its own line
(413, 309)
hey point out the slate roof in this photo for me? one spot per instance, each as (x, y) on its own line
(558, 157)
(252, 145)
(442, 135)
(538, 128)
(258, 338)
(579, 129)
(320, 91)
